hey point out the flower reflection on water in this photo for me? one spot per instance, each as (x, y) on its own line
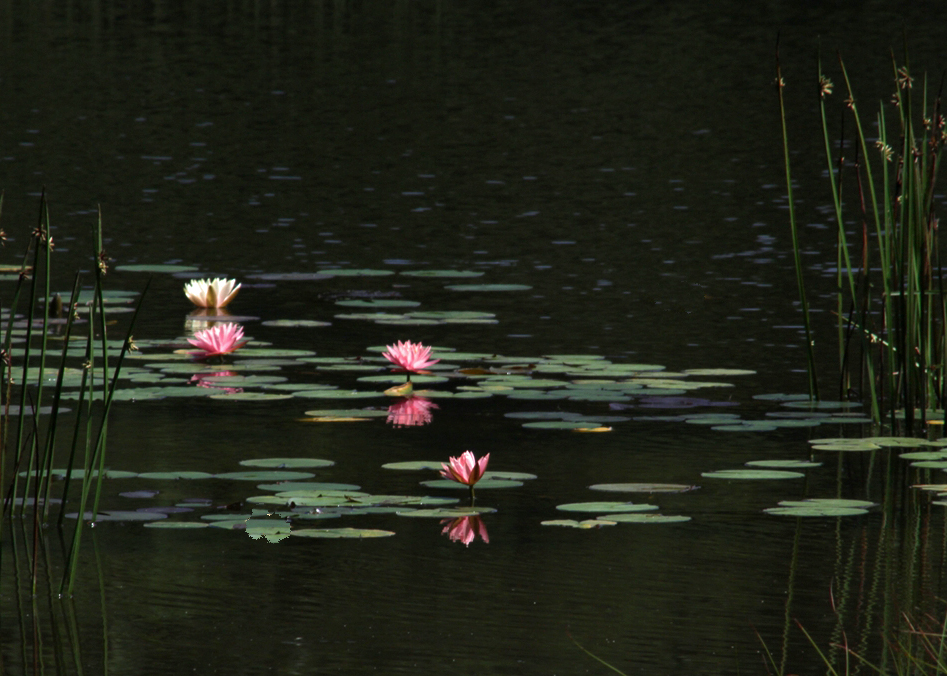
(410, 412)
(204, 380)
(466, 529)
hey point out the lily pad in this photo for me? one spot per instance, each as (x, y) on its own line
(338, 394)
(265, 476)
(643, 488)
(295, 323)
(488, 287)
(338, 533)
(645, 518)
(482, 484)
(290, 276)
(442, 273)
(350, 272)
(820, 507)
(377, 302)
(783, 464)
(181, 525)
(348, 413)
(446, 512)
(412, 465)
(287, 463)
(119, 515)
(559, 425)
(606, 507)
(572, 523)
(752, 474)
(175, 475)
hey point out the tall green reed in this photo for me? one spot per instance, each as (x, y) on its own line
(26, 453)
(891, 305)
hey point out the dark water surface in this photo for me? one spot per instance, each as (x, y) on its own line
(620, 158)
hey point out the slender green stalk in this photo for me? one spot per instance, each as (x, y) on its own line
(810, 355)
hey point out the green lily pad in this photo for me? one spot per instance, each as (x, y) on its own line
(338, 533)
(507, 476)
(442, 273)
(752, 474)
(182, 525)
(120, 515)
(274, 352)
(746, 426)
(287, 463)
(446, 512)
(783, 464)
(606, 507)
(643, 488)
(482, 484)
(344, 272)
(290, 276)
(264, 476)
(412, 465)
(559, 425)
(339, 394)
(250, 396)
(645, 518)
(572, 523)
(348, 413)
(488, 287)
(824, 507)
(845, 445)
(828, 502)
(175, 475)
(377, 302)
(456, 315)
(295, 323)
(822, 405)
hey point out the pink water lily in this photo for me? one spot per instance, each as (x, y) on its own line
(466, 469)
(409, 357)
(211, 292)
(218, 340)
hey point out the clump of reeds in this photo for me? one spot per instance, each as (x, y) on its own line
(28, 448)
(891, 303)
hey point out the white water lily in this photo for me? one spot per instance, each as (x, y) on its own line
(211, 293)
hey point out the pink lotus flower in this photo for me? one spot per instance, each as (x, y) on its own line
(466, 469)
(211, 292)
(411, 412)
(218, 340)
(466, 529)
(409, 357)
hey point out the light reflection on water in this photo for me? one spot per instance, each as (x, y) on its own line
(633, 184)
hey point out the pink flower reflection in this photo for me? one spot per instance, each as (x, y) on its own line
(465, 529)
(203, 380)
(410, 412)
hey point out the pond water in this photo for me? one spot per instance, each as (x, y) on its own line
(619, 164)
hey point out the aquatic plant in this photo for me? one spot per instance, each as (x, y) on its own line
(32, 453)
(213, 293)
(218, 340)
(409, 357)
(466, 469)
(891, 305)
